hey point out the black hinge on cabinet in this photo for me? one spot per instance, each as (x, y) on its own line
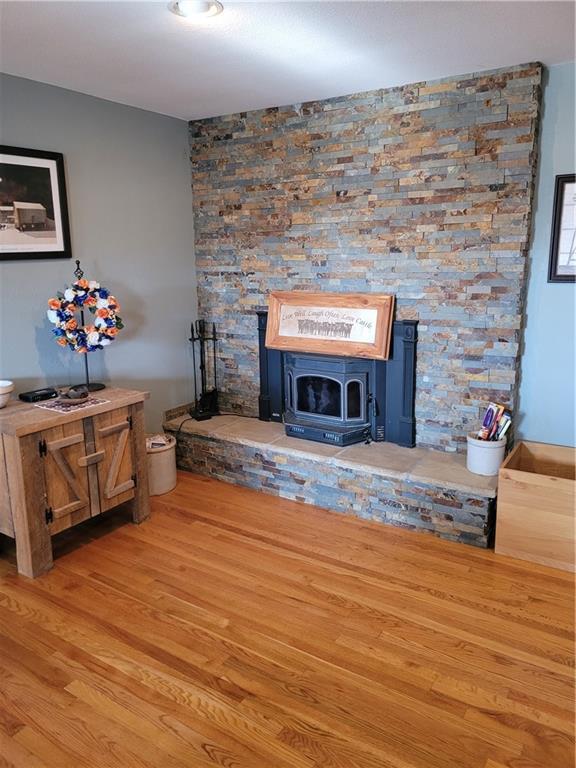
(42, 450)
(49, 515)
(129, 420)
(135, 480)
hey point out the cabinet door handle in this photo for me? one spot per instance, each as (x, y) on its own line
(91, 458)
(113, 428)
(64, 442)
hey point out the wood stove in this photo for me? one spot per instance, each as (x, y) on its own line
(341, 400)
(327, 398)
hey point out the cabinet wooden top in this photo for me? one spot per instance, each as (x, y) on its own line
(19, 418)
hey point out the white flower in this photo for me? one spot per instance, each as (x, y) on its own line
(105, 342)
(100, 322)
(52, 315)
(101, 303)
(92, 338)
(69, 294)
(93, 285)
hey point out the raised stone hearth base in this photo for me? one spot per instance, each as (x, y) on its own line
(414, 488)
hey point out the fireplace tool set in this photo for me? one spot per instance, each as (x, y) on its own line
(206, 405)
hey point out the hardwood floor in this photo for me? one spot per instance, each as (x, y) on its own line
(234, 629)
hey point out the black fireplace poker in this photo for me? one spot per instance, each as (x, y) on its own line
(205, 405)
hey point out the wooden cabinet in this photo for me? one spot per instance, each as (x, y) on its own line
(57, 470)
(88, 467)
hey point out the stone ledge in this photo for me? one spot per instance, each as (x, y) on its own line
(414, 488)
(416, 465)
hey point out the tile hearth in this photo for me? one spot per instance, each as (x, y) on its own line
(409, 487)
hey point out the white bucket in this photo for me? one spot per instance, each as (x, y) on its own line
(162, 468)
(485, 456)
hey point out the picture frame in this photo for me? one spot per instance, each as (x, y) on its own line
(348, 324)
(34, 220)
(562, 262)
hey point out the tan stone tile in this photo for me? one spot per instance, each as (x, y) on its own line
(209, 427)
(305, 447)
(179, 411)
(449, 470)
(387, 458)
(250, 429)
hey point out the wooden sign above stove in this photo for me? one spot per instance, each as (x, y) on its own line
(346, 324)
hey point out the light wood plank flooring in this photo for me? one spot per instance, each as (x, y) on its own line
(239, 630)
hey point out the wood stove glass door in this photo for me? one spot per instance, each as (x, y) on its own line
(319, 396)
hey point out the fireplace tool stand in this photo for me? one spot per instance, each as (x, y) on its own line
(206, 405)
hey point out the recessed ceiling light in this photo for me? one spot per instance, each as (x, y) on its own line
(196, 8)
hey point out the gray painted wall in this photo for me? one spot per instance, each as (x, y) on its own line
(128, 179)
(547, 386)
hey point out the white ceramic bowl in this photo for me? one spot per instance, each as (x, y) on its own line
(6, 388)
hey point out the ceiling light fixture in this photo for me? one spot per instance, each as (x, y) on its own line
(196, 8)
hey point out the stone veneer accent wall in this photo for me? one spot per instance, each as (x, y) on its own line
(423, 191)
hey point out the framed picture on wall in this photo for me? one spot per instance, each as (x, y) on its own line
(562, 266)
(33, 206)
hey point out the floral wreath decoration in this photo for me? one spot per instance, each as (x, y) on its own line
(84, 294)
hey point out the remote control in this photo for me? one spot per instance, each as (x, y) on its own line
(35, 395)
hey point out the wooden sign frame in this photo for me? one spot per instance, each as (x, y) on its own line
(348, 324)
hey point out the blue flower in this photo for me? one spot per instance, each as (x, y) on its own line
(103, 293)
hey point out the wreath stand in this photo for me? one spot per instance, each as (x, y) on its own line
(91, 386)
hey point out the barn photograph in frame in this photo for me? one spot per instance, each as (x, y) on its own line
(33, 206)
(349, 324)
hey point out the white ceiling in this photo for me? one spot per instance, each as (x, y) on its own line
(261, 54)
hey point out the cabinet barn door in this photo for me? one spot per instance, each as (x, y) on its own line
(113, 436)
(66, 475)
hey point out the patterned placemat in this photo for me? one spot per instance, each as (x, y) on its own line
(65, 407)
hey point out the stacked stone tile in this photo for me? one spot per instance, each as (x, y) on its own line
(423, 191)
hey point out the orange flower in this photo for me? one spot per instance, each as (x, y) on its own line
(54, 303)
(111, 331)
(90, 328)
(102, 312)
(62, 341)
(71, 325)
(90, 301)
(83, 283)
